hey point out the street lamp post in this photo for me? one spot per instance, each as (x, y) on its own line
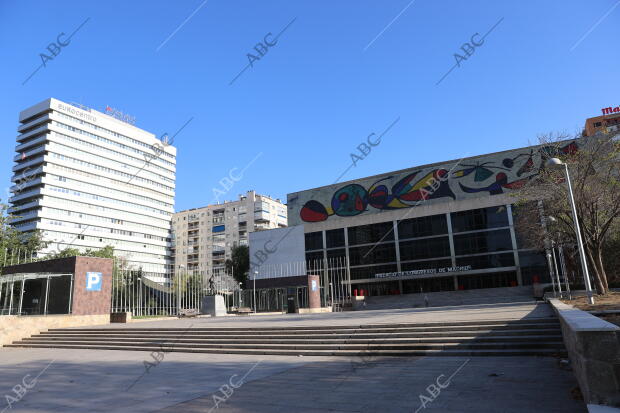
(255, 275)
(240, 284)
(558, 164)
(178, 282)
(561, 258)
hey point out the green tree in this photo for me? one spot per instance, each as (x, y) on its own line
(105, 252)
(239, 264)
(67, 252)
(16, 246)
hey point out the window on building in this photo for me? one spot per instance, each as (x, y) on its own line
(312, 257)
(314, 240)
(495, 280)
(366, 234)
(334, 238)
(372, 254)
(424, 248)
(523, 238)
(369, 272)
(425, 265)
(337, 256)
(479, 242)
(487, 261)
(533, 267)
(475, 219)
(423, 226)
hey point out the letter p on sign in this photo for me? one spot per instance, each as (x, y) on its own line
(93, 281)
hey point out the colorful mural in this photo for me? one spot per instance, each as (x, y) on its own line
(408, 189)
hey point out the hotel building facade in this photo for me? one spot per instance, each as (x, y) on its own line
(88, 180)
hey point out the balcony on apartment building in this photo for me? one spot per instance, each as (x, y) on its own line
(218, 216)
(192, 258)
(193, 226)
(261, 216)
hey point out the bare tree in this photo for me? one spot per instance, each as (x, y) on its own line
(594, 167)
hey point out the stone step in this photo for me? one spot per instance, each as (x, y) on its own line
(528, 323)
(305, 332)
(455, 351)
(506, 337)
(274, 346)
(352, 340)
(368, 335)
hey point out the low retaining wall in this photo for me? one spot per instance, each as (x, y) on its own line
(593, 346)
(315, 310)
(13, 328)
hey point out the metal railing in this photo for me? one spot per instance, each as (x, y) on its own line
(147, 294)
(335, 283)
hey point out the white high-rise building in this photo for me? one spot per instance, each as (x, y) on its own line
(88, 180)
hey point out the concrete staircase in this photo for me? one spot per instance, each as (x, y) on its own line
(526, 337)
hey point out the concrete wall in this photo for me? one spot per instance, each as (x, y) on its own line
(272, 252)
(593, 346)
(13, 328)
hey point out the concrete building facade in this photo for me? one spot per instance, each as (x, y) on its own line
(88, 180)
(439, 227)
(203, 238)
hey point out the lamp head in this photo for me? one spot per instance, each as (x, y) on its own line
(554, 163)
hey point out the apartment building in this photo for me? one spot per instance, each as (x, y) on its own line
(203, 238)
(88, 180)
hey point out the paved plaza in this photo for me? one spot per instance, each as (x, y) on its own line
(508, 311)
(134, 381)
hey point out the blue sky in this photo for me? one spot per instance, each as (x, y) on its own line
(338, 73)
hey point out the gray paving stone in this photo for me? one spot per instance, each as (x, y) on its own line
(98, 381)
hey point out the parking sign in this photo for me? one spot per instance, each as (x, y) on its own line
(93, 281)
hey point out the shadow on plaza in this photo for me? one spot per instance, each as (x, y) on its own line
(97, 381)
(115, 381)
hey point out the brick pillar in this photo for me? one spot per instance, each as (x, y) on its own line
(92, 286)
(314, 288)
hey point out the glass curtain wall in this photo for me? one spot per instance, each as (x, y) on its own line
(35, 294)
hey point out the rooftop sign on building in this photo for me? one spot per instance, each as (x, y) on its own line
(610, 110)
(117, 114)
